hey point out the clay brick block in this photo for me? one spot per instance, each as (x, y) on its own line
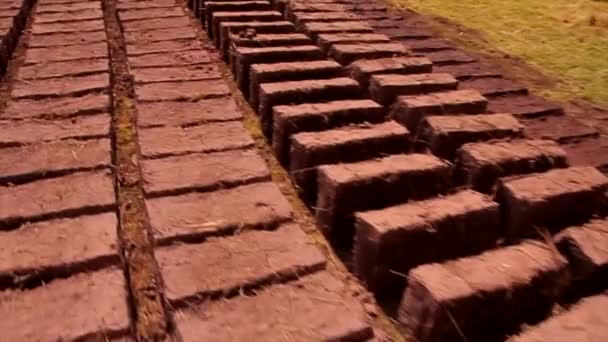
(428, 45)
(58, 248)
(155, 23)
(291, 71)
(157, 35)
(145, 4)
(64, 39)
(78, 193)
(230, 6)
(411, 110)
(57, 108)
(238, 16)
(585, 248)
(494, 86)
(179, 113)
(559, 128)
(294, 6)
(446, 134)
(79, 67)
(346, 144)
(348, 53)
(586, 321)
(346, 188)
(86, 14)
(168, 59)
(406, 32)
(246, 56)
(481, 164)
(300, 18)
(61, 86)
(447, 57)
(92, 306)
(296, 92)
(487, 295)
(270, 39)
(228, 29)
(165, 46)
(199, 215)
(182, 90)
(180, 73)
(524, 105)
(65, 27)
(468, 70)
(399, 238)
(53, 158)
(588, 152)
(65, 53)
(261, 256)
(361, 70)
(552, 200)
(202, 172)
(326, 40)
(15, 133)
(309, 117)
(314, 29)
(67, 7)
(385, 88)
(138, 14)
(166, 141)
(326, 310)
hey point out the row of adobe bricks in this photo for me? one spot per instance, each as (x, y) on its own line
(352, 131)
(13, 16)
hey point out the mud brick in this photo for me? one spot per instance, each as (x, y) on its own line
(445, 134)
(346, 188)
(585, 248)
(167, 59)
(365, 7)
(528, 106)
(239, 16)
(76, 67)
(261, 256)
(552, 200)
(486, 295)
(145, 4)
(58, 247)
(385, 23)
(68, 16)
(385, 88)
(447, 57)
(178, 113)
(427, 45)
(231, 6)
(411, 110)
(326, 40)
(206, 171)
(61, 86)
(589, 152)
(273, 39)
(314, 29)
(468, 70)
(67, 7)
(57, 107)
(65, 39)
(558, 128)
(246, 56)
(300, 18)
(13, 133)
(175, 74)
(212, 137)
(36, 160)
(158, 35)
(310, 117)
(406, 32)
(494, 86)
(142, 48)
(346, 144)
(198, 215)
(65, 27)
(348, 53)
(228, 29)
(155, 23)
(361, 70)
(181, 90)
(291, 71)
(77, 193)
(151, 13)
(92, 306)
(481, 164)
(296, 92)
(326, 311)
(65, 53)
(294, 7)
(585, 321)
(399, 238)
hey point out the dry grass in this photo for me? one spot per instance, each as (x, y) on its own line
(565, 39)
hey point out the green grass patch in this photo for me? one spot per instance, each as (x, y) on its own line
(566, 40)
